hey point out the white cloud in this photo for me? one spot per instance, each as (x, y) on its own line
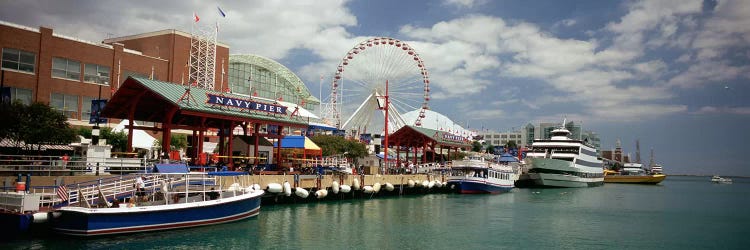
(723, 110)
(464, 3)
(485, 114)
(708, 72)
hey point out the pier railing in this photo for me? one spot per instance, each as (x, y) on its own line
(56, 165)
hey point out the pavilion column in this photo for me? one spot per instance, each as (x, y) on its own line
(256, 134)
(441, 153)
(279, 133)
(424, 152)
(131, 116)
(167, 131)
(221, 138)
(406, 158)
(193, 145)
(414, 157)
(229, 146)
(398, 154)
(247, 145)
(130, 134)
(201, 134)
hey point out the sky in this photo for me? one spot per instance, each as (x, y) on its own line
(671, 73)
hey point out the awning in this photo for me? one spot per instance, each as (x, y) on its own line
(505, 157)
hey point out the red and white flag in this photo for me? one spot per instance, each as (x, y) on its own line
(195, 16)
(62, 192)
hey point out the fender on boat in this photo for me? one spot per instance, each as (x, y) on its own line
(376, 187)
(355, 184)
(368, 190)
(411, 183)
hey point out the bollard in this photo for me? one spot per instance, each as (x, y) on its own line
(97, 169)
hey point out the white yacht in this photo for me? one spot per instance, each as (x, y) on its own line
(564, 162)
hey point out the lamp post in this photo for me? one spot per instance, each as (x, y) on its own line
(95, 130)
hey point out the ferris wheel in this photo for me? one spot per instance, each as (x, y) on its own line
(359, 86)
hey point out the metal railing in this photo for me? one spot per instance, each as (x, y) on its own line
(55, 165)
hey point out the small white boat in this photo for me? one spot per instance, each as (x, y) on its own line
(189, 200)
(721, 180)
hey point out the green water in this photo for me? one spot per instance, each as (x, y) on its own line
(681, 213)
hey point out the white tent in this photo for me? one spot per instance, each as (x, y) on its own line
(141, 139)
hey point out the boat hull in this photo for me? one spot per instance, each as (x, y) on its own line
(91, 222)
(479, 187)
(559, 173)
(635, 179)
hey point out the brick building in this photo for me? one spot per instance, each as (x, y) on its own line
(40, 65)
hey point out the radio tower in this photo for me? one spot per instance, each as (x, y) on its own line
(202, 60)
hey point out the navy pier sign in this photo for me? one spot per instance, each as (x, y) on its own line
(245, 104)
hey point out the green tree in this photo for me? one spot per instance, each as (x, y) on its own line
(476, 146)
(490, 149)
(337, 145)
(84, 131)
(458, 155)
(40, 124)
(176, 141)
(355, 150)
(511, 145)
(118, 140)
(11, 128)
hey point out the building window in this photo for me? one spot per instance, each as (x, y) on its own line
(86, 107)
(20, 60)
(67, 104)
(66, 68)
(22, 95)
(96, 73)
(504, 136)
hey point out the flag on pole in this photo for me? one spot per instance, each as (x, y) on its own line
(221, 12)
(195, 16)
(62, 192)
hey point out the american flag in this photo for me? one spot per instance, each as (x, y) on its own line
(62, 192)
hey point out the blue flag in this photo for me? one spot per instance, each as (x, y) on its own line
(221, 12)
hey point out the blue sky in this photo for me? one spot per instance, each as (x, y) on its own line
(673, 74)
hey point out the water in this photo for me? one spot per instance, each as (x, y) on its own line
(681, 213)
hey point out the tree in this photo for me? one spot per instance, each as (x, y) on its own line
(511, 145)
(84, 131)
(476, 146)
(118, 140)
(12, 115)
(337, 145)
(176, 141)
(458, 155)
(40, 124)
(490, 149)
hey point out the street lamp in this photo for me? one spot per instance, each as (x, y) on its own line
(95, 129)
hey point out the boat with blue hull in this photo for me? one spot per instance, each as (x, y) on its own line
(475, 175)
(188, 202)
